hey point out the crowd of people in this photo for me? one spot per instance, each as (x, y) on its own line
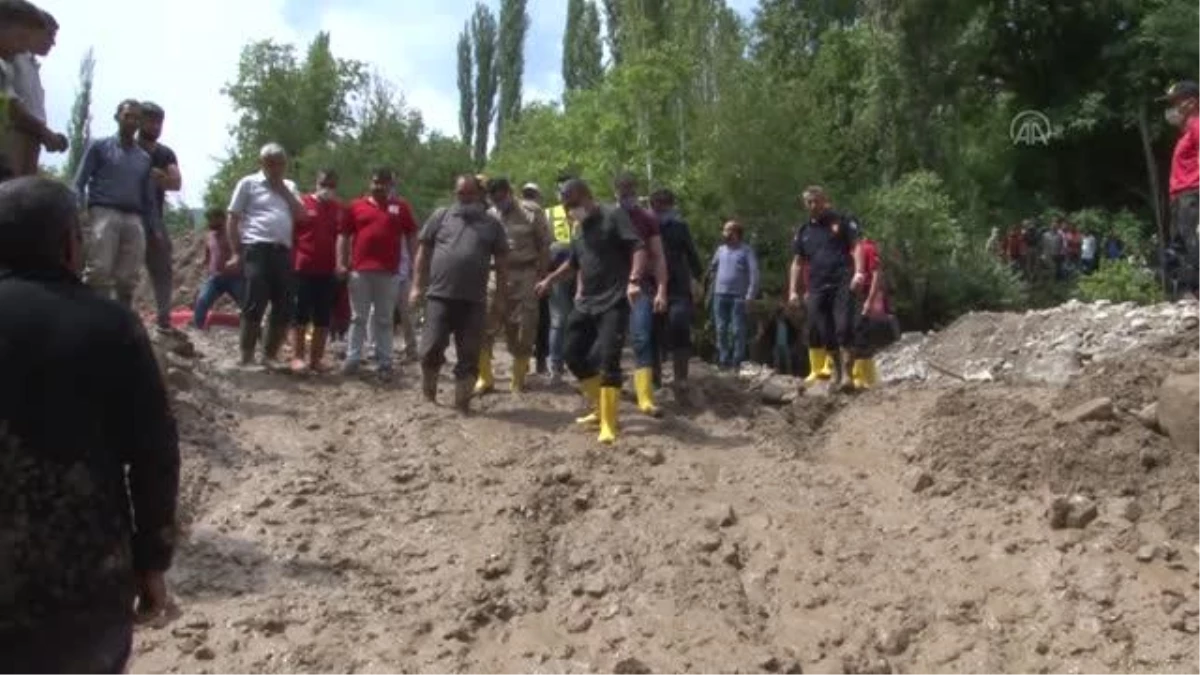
(1058, 252)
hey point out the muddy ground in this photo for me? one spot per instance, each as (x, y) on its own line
(343, 526)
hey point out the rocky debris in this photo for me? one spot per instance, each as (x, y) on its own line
(1147, 553)
(1074, 512)
(578, 623)
(707, 542)
(1124, 507)
(653, 456)
(917, 480)
(718, 516)
(561, 474)
(779, 393)
(631, 666)
(1096, 410)
(1148, 416)
(1179, 411)
(866, 665)
(204, 653)
(789, 666)
(893, 642)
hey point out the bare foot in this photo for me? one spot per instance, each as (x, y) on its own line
(299, 366)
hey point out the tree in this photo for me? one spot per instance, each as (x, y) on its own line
(612, 25)
(79, 130)
(514, 23)
(483, 38)
(571, 35)
(589, 49)
(466, 91)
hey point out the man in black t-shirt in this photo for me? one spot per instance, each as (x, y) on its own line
(826, 269)
(164, 169)
(609, 259)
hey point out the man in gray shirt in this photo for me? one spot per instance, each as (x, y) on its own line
(115, 187)
(458, 248)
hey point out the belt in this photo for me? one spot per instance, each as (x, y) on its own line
(112, 207)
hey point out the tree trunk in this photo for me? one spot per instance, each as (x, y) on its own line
(1156, 200)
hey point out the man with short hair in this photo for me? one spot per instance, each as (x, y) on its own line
(531, 197)
(826, 269)
(683, 267)
(221, 280)
(262, 212)
(651, 301)
(459, 246)
(164, 170)
(88, 450)
(115, 184)
(314, 261)
(369, 254)
(1184, 190)
(734, 270)
(23, 28)
(27, 83)
(608, 257)
(514, 308)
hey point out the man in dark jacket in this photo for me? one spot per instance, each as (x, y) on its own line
(683, 266)
(88, 451)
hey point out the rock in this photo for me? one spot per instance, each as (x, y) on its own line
(733, 557)
(917, 480)
(1096, 410)
(652, 455)
(1147, 553)
(631, 666)
(1171, 602)
(205, 654)
(1152, 457)
(775, 393)
(595, 587)
(892, 642)
(560, 474)
(1073, 512)
(707, 542)
(1148, 416)
(1179, 412)
(583, 499)
(495, 567)
(179, 379)
(1125, 507)
(578, 623)
(719, 515)
(1171, 503)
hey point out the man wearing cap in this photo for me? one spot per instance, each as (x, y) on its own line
(1185, 180)
(164, 170)
(517, 311)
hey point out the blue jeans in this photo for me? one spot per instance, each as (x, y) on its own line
(211, 291)
(562, 299)
(641, 331)
(730, 311)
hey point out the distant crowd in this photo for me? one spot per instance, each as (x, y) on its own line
(1058, 252)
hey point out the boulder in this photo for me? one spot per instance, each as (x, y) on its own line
(1093, 411)
(1179, 411)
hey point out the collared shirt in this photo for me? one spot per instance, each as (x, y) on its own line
(825, 243)
(27, 83)
(315, 250)
(1185, 161)
(462, 241)
(266, 215)
(603, 255)
(117, 176)
(378, 231)
(528, 234)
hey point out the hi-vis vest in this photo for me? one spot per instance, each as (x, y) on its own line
(560, 225)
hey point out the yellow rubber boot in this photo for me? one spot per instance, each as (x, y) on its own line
(610, 401)
(870, 374)
(856, 375)
(590, 388)
(818, 365)
(485, 383)
(520, 370)
(643, 384)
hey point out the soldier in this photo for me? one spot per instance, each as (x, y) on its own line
(528, 256)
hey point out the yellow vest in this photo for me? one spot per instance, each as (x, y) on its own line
(560, 225)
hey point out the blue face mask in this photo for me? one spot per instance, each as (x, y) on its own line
(629, 203)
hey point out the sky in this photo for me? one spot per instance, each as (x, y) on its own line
(187, 50)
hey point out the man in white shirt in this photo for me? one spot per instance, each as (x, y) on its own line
(261, 213)
(27, 85)
(1088, 250)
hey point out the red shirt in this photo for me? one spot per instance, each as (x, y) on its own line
(315, 248)
(645, 224)
(377, 231)
(870, 269)
(1185, 165)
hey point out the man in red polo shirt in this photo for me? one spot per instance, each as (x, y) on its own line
(314, 258)
(1184, 99)
(369, 251)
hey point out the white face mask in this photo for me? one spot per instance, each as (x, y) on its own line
(1173, 116)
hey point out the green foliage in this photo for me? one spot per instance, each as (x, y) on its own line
(1121, 281)
(514, 22)
(466, 91)
(487, 78)
(79, 129)
(583, 51)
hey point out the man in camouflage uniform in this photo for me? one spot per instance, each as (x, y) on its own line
(529, 254)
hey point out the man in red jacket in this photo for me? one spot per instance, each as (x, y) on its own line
(1183, 98)
(314, 258)
(369, 252)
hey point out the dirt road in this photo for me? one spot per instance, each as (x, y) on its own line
(336, 526)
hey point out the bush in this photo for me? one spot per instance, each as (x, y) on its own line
(1121, 281)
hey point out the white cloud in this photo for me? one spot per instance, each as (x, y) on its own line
(184, 52)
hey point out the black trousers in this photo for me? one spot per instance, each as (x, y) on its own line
(830, 316)
(268, 272)
(542, 346)
(315, 297)
(1185, 211)
(595, 342)
(462, 320)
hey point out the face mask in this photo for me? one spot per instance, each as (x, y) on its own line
(504, 205)
(579, 214)
(628, 202)
(1173, 116)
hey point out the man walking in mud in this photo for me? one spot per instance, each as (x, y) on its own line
(528, 256)
(683, 266)
(261, 216)
(87, 507)
(458, 247)
(652, 301)
(164, 170)
(826, 270)
(314, 261)
(1184, 112)
(115, 185)
(609, 258)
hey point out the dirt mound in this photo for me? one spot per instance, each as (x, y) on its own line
(189, 272)
(1047, 346)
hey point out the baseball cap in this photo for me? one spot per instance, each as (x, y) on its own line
(531, 187)
(1182, 89)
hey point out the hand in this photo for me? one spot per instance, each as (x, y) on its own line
(857, 282)
(234, 264)
(794, 299)
(156, 236)
(660, 302)
(414, 296)
(541, 288)
(159, 175)
(633, 292)
(55, 142)
(151, 596)
(343, 272)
